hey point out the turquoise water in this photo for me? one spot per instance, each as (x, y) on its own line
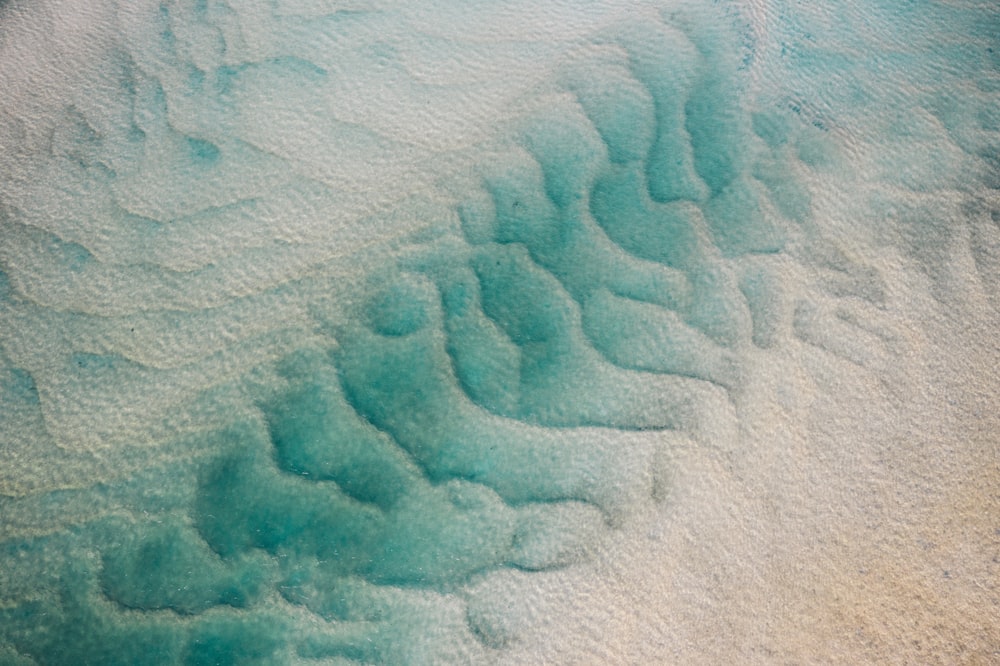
(312, 319)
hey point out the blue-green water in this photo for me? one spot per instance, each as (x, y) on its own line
(311, 320)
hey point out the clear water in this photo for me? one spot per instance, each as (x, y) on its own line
(314, 316)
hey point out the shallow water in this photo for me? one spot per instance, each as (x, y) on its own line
(615, 332)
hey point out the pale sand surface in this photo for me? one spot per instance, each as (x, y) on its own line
(852, 519)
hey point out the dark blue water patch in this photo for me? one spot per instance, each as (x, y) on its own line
(135, 134)
(761, 289)
(643, 336)
(317, 434)
(715, 123)
(143, 565)
(69, 626)
(774, 128)
(569, 156)
(196, 81)
(738, 223)
(558, 237)
(244, 502)
(477, 216)
(401, 387)
(166, 31)
(486, 361)
(398, 309)
(620, 109)
(203, 153)
(97, 362)
(524, 213)
(661, 233)
(229, 641)
(230, 82)
(418, 531)
(441, 536)
(150, 105)
(412, 389)
(523, 300)
(79, 131)
(226, 78)
(668, 66)
(18, 386)
(69, 621)
(72, 256)
(299, 67)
